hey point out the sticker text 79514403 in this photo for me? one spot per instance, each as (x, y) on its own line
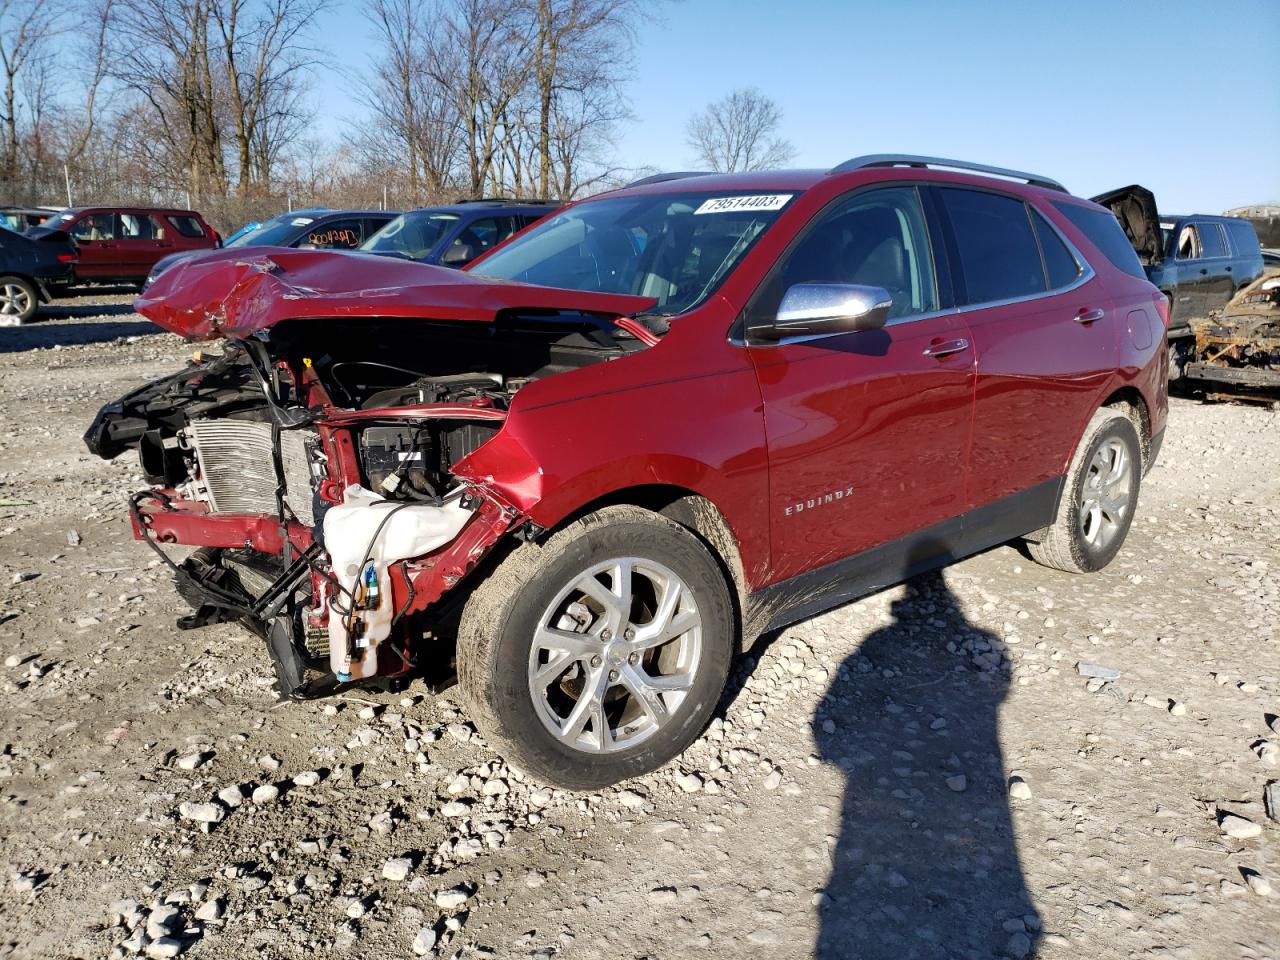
(752, 202)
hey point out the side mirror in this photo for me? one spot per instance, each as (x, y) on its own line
(457, 255)
(814, 309)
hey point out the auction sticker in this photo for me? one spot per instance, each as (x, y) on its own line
(755, 201)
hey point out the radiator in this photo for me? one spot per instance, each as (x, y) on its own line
(236, 466)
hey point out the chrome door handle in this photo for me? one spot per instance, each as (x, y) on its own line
(946, 348)
(1090, 316)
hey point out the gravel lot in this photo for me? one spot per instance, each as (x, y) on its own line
(927, 773)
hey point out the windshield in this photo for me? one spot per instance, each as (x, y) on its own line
(413, 235)
(271, 233)
(675, 248)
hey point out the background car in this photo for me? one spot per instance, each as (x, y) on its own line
(317, 228)
(1198, 261)
(455, 235)
(120, 244)
(28, 268)
(20, 218)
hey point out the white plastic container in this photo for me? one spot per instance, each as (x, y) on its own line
(349, 529)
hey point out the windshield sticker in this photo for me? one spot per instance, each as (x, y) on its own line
(301, 221)
(758, 201)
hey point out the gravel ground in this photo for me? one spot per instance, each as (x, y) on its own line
(930, 772)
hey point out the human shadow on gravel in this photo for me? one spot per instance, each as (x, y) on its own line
(925, 866)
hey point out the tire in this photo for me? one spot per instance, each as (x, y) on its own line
(18, 301)
(1090, 527)
(530, 698)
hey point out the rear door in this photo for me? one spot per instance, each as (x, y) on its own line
(1217, 283)
(867, 432)
(1045, 335)
(138, 243)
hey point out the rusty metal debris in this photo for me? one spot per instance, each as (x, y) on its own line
(1239, 347)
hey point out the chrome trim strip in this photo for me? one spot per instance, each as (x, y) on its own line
(912, 160)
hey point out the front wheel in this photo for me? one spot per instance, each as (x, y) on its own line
(600, 654)
(18, 301)
(1098, 498)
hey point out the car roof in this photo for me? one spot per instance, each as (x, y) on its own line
(113, 207)
(851, 172)
(489, 206)
(328, 212)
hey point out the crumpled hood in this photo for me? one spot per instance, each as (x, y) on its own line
(235, 293)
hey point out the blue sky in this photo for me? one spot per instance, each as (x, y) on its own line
(1181, 96)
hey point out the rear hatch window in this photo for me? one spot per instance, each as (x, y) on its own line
(1105, 233)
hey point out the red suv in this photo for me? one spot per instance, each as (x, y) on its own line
(621, 445)
(122, 244)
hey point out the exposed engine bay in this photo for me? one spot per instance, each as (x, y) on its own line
(313, 465)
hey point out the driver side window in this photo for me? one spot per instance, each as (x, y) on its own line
(877, 238)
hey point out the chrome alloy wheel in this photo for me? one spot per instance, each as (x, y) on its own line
(1104, 500)
(615, 654)
(14, 304)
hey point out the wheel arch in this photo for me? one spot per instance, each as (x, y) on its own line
(1130, 401)
(697, 514)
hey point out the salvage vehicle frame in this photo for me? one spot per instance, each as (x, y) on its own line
(544, 429)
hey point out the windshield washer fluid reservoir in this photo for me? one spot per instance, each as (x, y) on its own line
(414, 529)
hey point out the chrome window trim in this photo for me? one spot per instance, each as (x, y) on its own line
(1087, 273)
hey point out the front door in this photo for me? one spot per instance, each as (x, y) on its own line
(867, 432)
(95, 234)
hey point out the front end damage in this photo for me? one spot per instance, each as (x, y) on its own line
(318, 463)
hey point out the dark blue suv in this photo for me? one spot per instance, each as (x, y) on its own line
(455, 235)
(316, 227)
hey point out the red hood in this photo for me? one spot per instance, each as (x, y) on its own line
(234, 293)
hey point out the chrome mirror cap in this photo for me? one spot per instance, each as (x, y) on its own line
(815, 309)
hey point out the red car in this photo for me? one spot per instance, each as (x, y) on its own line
(592, 468)
(122, 244)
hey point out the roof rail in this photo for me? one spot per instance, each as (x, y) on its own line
(909, 160)
(664, 177)
(513, 200)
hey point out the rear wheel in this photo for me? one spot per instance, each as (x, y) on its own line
(18, 301)
(1098, 499)
(602, 653)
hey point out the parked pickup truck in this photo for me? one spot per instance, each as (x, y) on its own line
(1198, 261)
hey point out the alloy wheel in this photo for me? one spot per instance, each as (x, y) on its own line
(1104, 501)
(615, 654)
(14, 302)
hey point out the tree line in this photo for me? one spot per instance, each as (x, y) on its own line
(206, 102)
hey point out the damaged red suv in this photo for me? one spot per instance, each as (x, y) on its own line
(586, 472)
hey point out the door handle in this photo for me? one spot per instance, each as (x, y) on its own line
(1204, 271)
(945, 348)
(1090, 316)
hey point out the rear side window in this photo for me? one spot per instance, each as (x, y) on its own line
(999, 255)
(187, 226)
(1060, 266)
(1244, 238)
(1212, 240)
(138, 226)
(1105, 233)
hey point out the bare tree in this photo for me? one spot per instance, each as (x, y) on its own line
(573, 37)
(26, 26)
(261, 47)
(738, 133)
